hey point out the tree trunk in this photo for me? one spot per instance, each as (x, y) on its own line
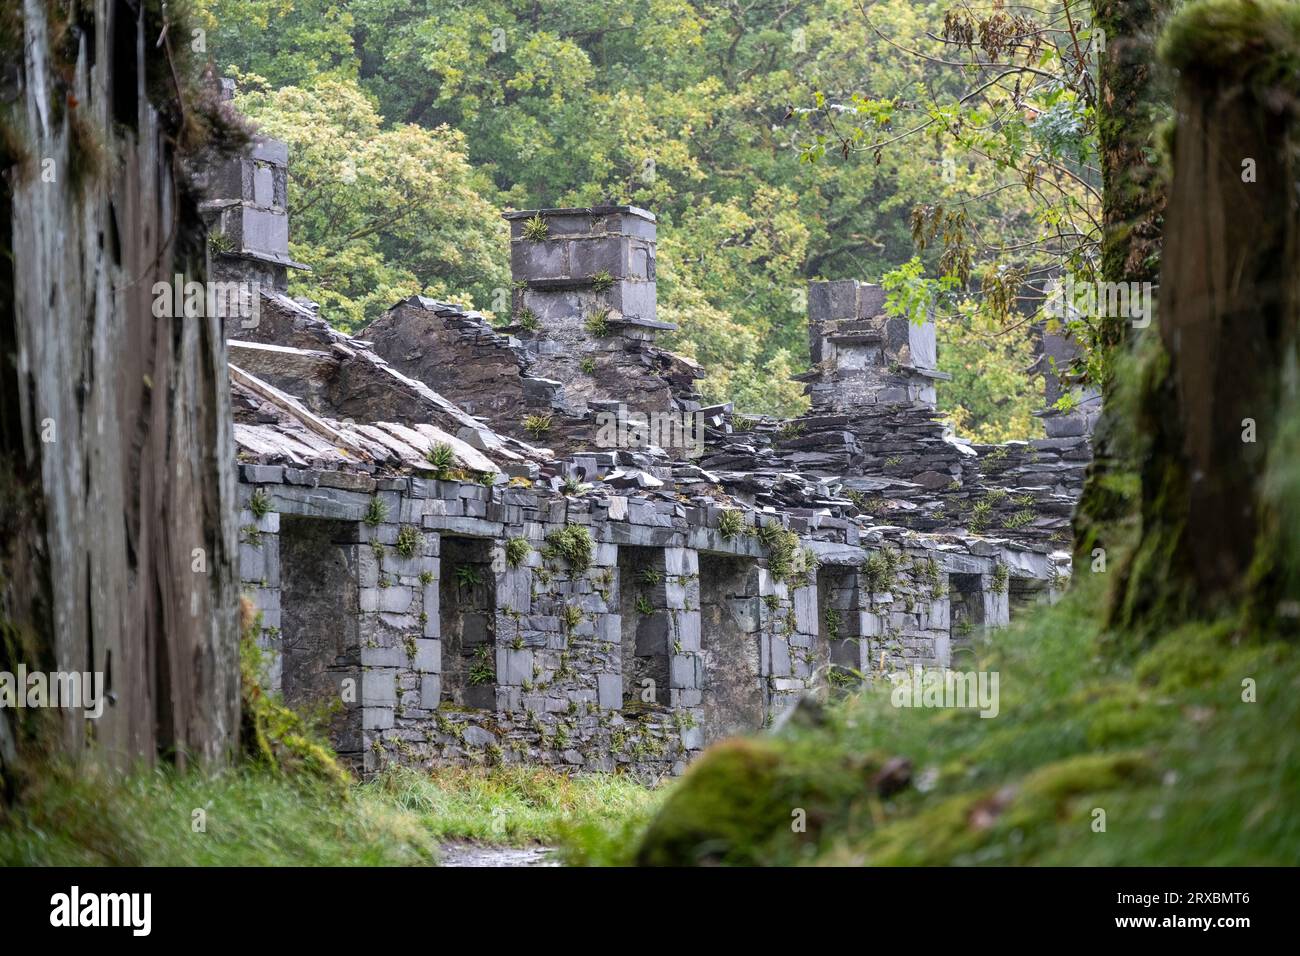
(1219, 386)
(1133, 99)
(117, 515)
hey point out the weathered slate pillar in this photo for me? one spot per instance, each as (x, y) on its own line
(116, 457)
(1218, 401)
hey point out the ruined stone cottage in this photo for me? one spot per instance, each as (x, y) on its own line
(534, 543)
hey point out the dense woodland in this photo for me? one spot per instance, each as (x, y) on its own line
(947, 150)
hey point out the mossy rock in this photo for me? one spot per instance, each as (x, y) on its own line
(1255, 40)
(758, 801)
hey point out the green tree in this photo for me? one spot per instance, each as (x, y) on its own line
(379, 211)
(686, 108)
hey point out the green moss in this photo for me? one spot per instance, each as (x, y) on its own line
(1000, 575)
(729, 805)
(259, 504)
(1234, 39)
(482, 669)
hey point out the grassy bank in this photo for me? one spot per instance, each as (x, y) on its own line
(255, 817)
(249, 818)
(591, 817)
(1161, 749)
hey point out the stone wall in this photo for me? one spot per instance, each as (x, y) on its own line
(537, 660)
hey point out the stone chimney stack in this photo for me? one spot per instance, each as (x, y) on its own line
(246, 211)
(862, 356)
(580, 262)
(1056, 351)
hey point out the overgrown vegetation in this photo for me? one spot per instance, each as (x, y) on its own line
(784, 558)
(516, 550)
(537, 425)
(80, 816)
(409, 541)
(443, 459)
(597, 323)
(1178, 746)
(591, 816)
(731, 523)
(572, 543)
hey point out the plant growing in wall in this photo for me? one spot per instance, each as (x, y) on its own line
(536, 229)
(782, 546)
(441, 456)
(481, 670)
(1019, 520)
(467, 576)
(527, 319)
(598, 323)
(250, 535)
(588, 366)
(1000, 575)
(409, 540)
(426, 577)
(840, 677)
(602, 281)
(516, 550)
(571, 616)
(259, 504)
(731, 524)
(573, 544)
(376, 512)
(219, 242)
(833, 621)
(537, 425)
(643, 605)
(879, 569)
(650, 577)
(980, 515)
